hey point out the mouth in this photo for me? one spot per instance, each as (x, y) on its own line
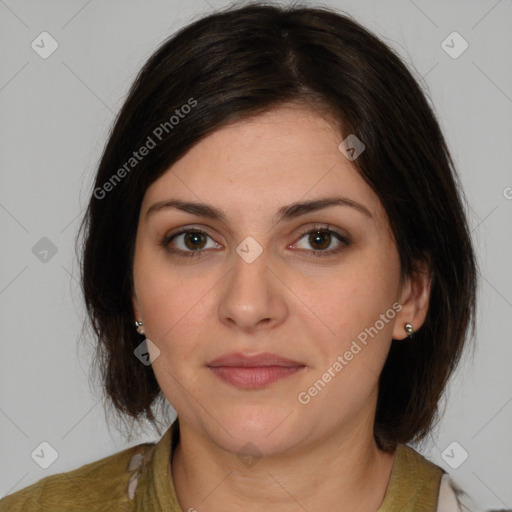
(255, 371)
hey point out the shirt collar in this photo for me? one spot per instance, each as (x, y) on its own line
(155, 492)
(413, 485)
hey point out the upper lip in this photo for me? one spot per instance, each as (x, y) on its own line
(238, 359)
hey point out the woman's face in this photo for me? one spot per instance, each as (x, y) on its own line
(325, 306)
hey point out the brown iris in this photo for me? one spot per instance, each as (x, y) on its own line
(194, 240)
(321, 238)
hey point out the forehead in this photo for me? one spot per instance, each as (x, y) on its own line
(277, 143)
(260, 163)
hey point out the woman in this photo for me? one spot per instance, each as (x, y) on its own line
(276, 244)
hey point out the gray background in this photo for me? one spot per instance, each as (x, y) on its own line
(55, 116)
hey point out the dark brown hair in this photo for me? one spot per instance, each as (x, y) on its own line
(246, 60)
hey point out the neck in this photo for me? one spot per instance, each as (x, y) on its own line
(342, 473)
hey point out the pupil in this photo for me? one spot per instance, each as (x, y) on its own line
(193, 240)
(322, 238)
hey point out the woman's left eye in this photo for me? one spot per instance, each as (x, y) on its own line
(321, 238)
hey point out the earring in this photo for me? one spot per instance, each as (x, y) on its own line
(409, 330)
(140, 327)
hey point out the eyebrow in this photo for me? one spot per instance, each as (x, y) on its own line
(284, 213)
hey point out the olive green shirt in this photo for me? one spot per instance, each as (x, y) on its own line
(138, 480)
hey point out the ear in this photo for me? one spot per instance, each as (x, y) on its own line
(414, 298)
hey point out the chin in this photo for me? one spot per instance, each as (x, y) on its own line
(257, 432)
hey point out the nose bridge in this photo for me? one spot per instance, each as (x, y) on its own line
(251, 293)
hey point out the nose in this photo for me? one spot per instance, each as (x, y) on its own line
(253, 296)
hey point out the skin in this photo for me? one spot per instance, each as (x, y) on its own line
(289, 302)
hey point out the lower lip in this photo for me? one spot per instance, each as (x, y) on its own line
(253, 377)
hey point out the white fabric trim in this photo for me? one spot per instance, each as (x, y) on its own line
(448, 501)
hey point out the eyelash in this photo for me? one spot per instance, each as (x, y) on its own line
(166, 241)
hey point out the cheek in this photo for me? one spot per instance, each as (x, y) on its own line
(174, 303)
(174, 311)
(354, 294)
(354, 302)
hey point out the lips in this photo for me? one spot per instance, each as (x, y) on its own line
(253, 371)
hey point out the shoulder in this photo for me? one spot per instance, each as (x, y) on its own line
(449, 497)
(414, 483)
(101, 485)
